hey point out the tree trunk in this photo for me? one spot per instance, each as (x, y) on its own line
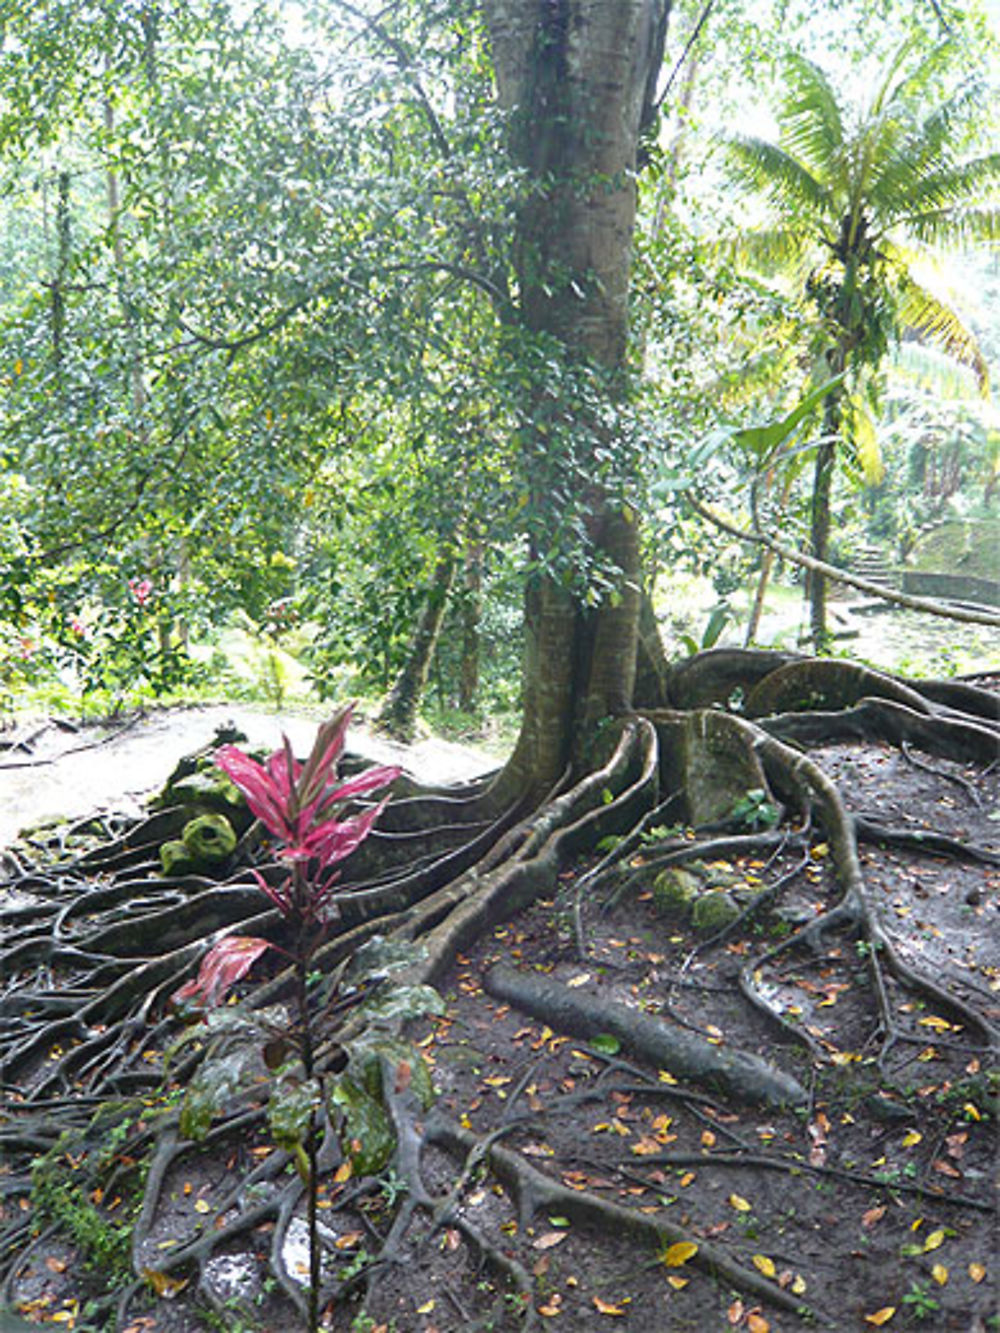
(579, 77)
(471, 612)
(826, 462)
(399, 713)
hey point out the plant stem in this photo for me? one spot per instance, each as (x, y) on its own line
(311, 1147)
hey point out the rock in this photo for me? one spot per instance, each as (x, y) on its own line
(713, 911)
(675, 891)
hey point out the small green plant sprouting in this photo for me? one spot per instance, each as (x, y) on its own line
(754, 810)
(921, 1302)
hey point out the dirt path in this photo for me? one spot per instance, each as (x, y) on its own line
(49, 769)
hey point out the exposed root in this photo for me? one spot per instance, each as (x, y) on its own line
(96, 944)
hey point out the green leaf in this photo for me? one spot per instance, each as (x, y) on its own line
(289, 1109)
(365, 1133)
(606, 1043)
(762, 440)
(391, 1003)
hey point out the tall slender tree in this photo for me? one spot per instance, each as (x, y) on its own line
(864, 198)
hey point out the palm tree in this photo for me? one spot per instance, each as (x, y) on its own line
(865, 203)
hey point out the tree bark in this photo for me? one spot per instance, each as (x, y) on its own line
(399, 713)
(471, 613)
(578, 77)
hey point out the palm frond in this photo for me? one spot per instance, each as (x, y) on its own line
(771, 249)
(862, 439)
(919, 82)
(930, 367)
(952, 185)
(931, 317)
(937, 226)
(769, 168)
(812, 126)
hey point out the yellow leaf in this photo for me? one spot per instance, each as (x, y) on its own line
(664, 1077)
(933, 1241)
(882, 1316)
(764, 1265)
(427, 1307)
(739, 1203)
(202, 1206)
(798, 1285)
(18, 366)
(940, 1274)
(971, 1111)
(819, 851)
(939, 1024)
(708, 1138)
(687, 1178)
(606, 1307)
(756, 1323)
(342, 1173)
(163, 1284)
(912, 1138)
(678, 1283)
(679, 1253)
(977, 1272)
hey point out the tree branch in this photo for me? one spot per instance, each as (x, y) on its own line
(925, 604)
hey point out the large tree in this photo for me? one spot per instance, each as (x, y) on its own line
(579, 82)
(315, 274)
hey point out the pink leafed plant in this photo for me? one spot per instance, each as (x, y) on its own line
(299, 804)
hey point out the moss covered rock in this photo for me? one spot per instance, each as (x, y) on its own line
(712, 911)
(175, 858)
(675, 891)
(209, 838)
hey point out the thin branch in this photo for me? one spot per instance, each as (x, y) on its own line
(924, 604)
(695, 34)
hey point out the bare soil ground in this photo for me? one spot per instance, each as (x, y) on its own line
(876, 1205)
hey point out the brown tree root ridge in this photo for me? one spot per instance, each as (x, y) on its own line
(736, 1073)
(96, 940)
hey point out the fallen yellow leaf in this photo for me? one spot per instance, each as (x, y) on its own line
(678, 1283)
(687, 1177)
(934, 1241)
(764, 1265)
(427, 1307)
(679, 1253)
(606, 1307)
(940, 1274)
(798, 1284)
(882, 1316)
(911, 1139)
(756, 1323)
(977, 1272)
(739, 1203)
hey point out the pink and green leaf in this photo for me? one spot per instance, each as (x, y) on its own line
(224, 964)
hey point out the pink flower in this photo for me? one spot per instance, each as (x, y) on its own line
(25, 648)
(141, 590)
(78, 627)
